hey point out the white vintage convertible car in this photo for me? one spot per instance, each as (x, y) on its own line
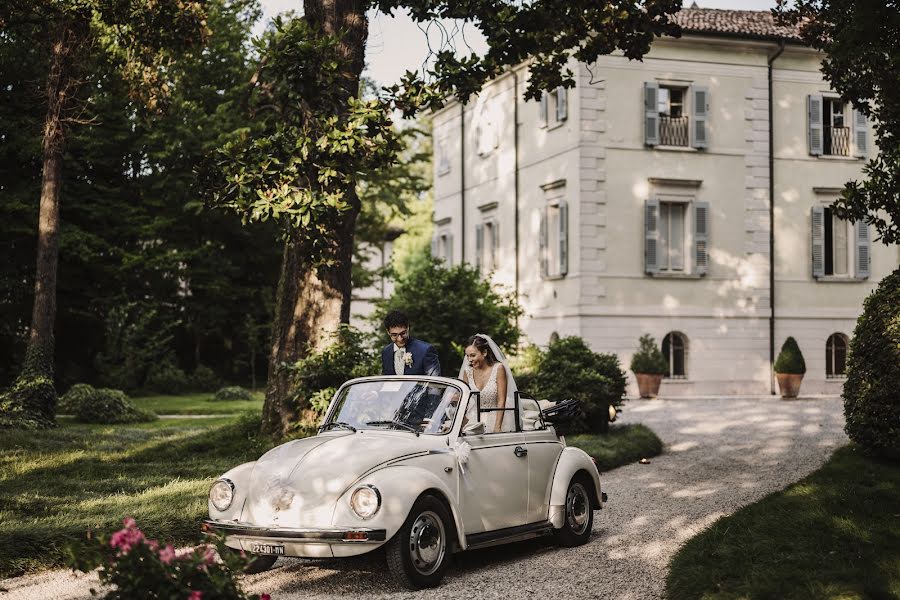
(409, 463)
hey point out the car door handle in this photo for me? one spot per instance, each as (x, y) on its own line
(520, 451)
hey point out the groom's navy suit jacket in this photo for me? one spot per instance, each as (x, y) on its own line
(425, 359)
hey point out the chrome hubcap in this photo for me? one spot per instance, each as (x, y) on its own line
(427, 543)
(577, 507)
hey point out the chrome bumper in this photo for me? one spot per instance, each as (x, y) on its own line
(313, 536)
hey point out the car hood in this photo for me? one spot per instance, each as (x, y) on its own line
(296, 484)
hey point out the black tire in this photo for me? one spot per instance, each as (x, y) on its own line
(579, 517)
(419, 553)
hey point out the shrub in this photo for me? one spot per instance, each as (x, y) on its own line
(74, 397)
(570, 369)
(137, 567)
(446, 306)
(166, 378)
(317, 376)
(871, 397)
(649, 359)
(204, 379)
(790, 359)
(232, 392)
(109, 406)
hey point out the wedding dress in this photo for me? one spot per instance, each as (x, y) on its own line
(489, 394)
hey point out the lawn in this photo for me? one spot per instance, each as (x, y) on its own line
(197, 404)
(835, 534)
(622, 445)
(56, 485)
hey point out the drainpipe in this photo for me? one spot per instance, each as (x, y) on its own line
(772, 226)
(462, 182)
(516, 177)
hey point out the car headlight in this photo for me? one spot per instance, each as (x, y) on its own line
(365, 501)
(221, 494)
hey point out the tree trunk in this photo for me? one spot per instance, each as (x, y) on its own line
(32, 401)
(313, 302)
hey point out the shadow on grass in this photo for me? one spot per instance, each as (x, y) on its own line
(835, 534)
(54, 488)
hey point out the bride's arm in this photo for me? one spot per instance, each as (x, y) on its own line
(501, 398)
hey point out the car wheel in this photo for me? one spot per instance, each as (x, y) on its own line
(419, 552)
(579, 517)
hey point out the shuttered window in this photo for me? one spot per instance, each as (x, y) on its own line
(676, 237)
(554, 240)
(554, 104)
(839, 248)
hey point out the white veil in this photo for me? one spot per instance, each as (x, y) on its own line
(509, 415)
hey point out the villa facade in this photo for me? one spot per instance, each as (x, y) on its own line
(643, 200)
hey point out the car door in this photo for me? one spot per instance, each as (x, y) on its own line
(544, 450)
(493, 482)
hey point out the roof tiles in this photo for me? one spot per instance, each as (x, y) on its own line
(754, 24)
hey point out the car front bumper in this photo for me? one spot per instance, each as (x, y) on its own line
(307, 542)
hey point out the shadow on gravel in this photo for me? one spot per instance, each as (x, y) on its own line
(369, 572)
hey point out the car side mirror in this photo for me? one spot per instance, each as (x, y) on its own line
(476, 428)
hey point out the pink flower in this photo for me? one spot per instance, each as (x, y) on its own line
(195, 595)
(167, 555)
(129, 523)
(209, 557)
(265, 597)
(124, 539)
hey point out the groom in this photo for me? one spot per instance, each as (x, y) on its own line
(406, 355)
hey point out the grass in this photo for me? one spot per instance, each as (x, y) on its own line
(622, 445)
(835, 535)
(56, 485)
(197, 404)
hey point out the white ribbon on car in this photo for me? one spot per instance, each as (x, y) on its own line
(279, 495)
(462, 449)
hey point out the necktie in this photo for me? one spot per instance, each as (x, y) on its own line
(398, 361)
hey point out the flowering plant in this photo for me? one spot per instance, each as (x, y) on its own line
(408, 359)
(135, 567)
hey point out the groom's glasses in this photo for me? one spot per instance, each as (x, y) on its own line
(399, 334)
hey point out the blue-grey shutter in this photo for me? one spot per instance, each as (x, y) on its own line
(814, 129)
(450, 250)
(434, 246)
(701, 238)
(860, 134)
(651, 236)
(863, 251)
(479, 247)
(651, 113)
(701, 115)
(562, 109)
(818, 241)
(563, 238)
(543, 113)
(545, 271)
(495, 250)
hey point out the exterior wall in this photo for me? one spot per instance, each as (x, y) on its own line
(608, 173)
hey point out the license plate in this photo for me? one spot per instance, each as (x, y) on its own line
(267, 549)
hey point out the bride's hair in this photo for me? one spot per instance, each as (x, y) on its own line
(482, 345)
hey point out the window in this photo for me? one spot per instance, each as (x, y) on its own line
(840, 248)
(673, 244)
(674, 348)
(442, 157)
(554, 237)
(487, 126)
(836, 355)
(487, 246)
(834, 129)
(442, 247)
(836, 135)
(668, 115)
(554, 104)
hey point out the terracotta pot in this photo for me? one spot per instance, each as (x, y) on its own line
(648, 384)
(789, 384)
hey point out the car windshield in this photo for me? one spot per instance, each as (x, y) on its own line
(405, 405)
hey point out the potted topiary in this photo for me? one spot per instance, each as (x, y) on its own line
(649, 365)
(789, 368)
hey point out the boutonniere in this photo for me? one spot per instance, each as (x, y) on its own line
(408, 359)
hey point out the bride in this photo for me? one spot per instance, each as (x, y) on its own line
(486, 371)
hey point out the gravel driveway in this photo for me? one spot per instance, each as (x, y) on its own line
(720, 455)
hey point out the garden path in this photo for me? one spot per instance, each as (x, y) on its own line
(720, 455)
